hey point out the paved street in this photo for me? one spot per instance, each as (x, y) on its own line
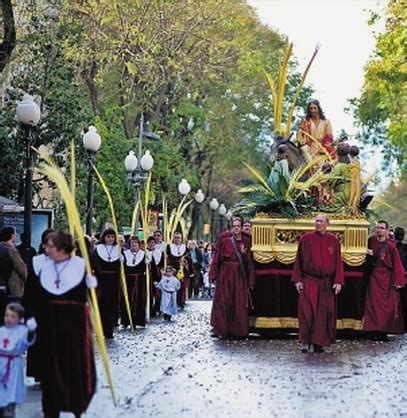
(178, 370)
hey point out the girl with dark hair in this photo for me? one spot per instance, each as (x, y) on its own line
(135, 266)
(44, 237)
(67, 381)
(109, 257)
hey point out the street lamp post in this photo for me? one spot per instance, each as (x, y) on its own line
(214, 205)
(228, 217)
(91, 142)
(29, 115)
(222, 212)
(138, 170)
(183, 187)
(199, 198)
(138, 167)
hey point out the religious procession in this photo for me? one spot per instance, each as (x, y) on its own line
(184, 213)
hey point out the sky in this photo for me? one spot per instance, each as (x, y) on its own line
(346, 43)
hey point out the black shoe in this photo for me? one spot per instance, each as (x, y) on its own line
(318, 349)
(380, 336)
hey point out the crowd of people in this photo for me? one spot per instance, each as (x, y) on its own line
(52, 291)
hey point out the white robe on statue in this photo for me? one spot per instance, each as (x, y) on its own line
(169, 286)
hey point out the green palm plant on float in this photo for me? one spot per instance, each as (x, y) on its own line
(287, 196)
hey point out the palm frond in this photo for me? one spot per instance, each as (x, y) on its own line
(298, 91)
(262, 180)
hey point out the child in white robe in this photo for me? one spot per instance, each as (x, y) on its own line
(15, 338)
(169, 285)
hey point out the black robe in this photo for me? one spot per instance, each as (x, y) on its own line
(108, 293)
(68, 374)
(136, 290)
(174, 260)
(155, 266)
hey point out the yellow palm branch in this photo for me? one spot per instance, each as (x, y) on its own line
(298, 91)
(297, 174)
(273, 91)
(134, 217)
(73, 178)
(165, 227)
(178, 214)
(144, 220)
(282, 79)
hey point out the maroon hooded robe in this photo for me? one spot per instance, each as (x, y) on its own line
(383, 307)
(231, 299)
(318, 266)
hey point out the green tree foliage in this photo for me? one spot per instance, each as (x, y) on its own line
(391, 204)
(381, 109)
(194, 68)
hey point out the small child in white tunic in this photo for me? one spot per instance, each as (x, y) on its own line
(169, 286)
(15, 338)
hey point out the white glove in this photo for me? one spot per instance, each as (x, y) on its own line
(91, 282)
(31, 324)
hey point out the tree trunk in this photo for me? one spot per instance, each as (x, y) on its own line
(89, 77)
(9, 34)
(128, 124)
(191, 233)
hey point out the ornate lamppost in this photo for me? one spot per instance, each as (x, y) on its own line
(183, 187)
(138, 167)
(199, 199)
(222, 212)
(29, 115)
(92, 143)
(138, 170)
(213, 205)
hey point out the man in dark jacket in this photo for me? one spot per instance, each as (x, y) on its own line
(16, 281)
(399, 237)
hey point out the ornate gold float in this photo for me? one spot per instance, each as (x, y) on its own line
(289, 322)
(277, 238)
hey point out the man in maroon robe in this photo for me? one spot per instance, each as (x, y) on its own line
(318, 276)
(233, 271)
(383, 308)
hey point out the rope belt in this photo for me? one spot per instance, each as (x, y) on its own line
(10, 358)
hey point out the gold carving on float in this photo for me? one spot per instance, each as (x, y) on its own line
(289, 322)
(277, 238)
(349, 323)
